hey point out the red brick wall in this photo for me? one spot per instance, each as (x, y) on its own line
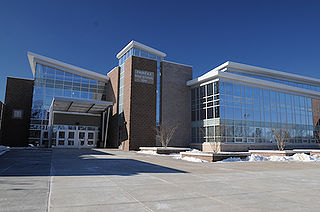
(139, 105)
(19, 93)
(112, 96)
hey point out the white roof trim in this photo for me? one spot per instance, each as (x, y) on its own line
(209, 75)
(112, 70)
(243, 68)
(140, 46)
(268, 84)
(259, 82)
(35, 58)
(272, 73)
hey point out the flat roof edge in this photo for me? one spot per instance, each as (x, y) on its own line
(270, 72)
(140, 46)
(254, 81)
(207, 75)
(253, 69)
(266, 83)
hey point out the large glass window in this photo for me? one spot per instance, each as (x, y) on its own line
(50, 82)
(205, 102)
(250, 114)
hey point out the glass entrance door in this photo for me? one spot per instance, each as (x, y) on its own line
(87, 138)
(82, 138)
(61, 138)
(75, 137)
(91, 138)
(71, 139)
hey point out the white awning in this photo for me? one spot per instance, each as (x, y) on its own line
(70, 105)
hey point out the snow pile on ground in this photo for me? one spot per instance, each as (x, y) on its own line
(279, 158)
(252, 158)
(255, 157)
(3, 149)
(233, 159)
(296, 157)
(195, 151)
(190, 159)
(304, 157)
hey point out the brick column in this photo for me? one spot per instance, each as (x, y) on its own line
(139, 103)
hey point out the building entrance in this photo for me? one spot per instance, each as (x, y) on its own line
(75, 137)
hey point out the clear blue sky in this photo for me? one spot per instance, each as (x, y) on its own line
(281, 35)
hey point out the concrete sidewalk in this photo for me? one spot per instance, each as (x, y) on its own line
(112, 180)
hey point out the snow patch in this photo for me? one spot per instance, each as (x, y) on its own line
(191, 159)
(279, 158)
(255, 157)
(195, 151)
(233, 159)
(296, 157)
(302, 157)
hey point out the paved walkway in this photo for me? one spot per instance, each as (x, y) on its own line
(112, 180)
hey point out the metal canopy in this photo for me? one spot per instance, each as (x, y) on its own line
(70, 105)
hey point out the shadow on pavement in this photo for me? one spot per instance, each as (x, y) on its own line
(74, 162)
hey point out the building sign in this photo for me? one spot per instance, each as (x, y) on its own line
(17, 114)
(143, 76)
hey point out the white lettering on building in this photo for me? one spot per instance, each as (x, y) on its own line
(143, 76)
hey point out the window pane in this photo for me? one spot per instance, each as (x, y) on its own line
(216, 87)
(210, 113)
(216, 112)
(209, 89)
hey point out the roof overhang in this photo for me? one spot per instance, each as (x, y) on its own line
(35, 58)
(69, 105)
(208, 76)
(133, 44)
(243, 68)
(253, 81)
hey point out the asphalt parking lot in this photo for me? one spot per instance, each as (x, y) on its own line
(112, 180)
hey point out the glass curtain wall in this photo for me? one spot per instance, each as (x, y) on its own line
(205, 105)
(50, 82)
(248, 114)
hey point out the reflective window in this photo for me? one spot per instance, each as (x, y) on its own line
(50, 82)
(205, 102)
(252, 114)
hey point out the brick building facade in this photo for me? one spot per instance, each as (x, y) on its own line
(17, 112)
(133, 99)
(236, 106)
